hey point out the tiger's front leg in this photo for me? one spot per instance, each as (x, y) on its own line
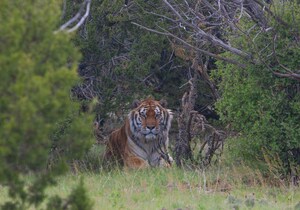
(166, 161)
(134, 162)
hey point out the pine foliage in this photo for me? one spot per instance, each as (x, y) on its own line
(38, 68)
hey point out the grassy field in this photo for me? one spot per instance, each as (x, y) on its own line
(178, 189)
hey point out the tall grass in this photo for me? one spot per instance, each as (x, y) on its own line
(220, 187)
(181, 189)
(234, 188)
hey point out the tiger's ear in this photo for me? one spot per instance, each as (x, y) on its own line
(135, 104)
(163, 103)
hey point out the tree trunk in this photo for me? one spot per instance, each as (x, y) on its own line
(183, 150)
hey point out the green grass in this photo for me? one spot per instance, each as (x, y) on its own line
(176, 189)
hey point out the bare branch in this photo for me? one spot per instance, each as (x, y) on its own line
(64, 27)
(88, 5)
(208, 36)
(276, 58)
(278, 19)
(191, 46)
(288, 75)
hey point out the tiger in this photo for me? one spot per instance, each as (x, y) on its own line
(143, 139)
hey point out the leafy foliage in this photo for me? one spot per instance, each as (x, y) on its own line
(263, 108)
(77, 200)
(38, 68)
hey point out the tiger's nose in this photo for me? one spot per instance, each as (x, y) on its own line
(150, 127)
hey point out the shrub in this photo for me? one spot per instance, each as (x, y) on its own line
(38, 68)
(261, 107)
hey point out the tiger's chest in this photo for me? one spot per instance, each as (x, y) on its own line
(147, 150)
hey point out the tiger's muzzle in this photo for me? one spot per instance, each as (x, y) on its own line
(150, 132)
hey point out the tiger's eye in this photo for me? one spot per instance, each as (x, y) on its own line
(158, 115)
(143, 113)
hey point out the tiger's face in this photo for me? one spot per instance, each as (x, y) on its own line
(149, 119)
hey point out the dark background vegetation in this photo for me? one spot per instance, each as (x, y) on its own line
(230, 72)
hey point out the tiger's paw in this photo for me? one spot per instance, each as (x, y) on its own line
(168, 162)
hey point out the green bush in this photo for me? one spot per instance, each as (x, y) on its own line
(38, 68)
(261, 107)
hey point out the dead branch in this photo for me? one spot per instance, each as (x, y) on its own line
(213, 139)
(208, 36)
(277, 18)
(183, 150)
(199, 25)
(193, 126)
(86, 4)
(202, 70)
(290, 73)
(166, 33)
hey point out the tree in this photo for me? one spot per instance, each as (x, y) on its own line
(199, 25)
(38, 68)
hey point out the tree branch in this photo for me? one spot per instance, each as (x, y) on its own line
(211, 38)
(191, 46)
(76, 17)
(290, 72)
